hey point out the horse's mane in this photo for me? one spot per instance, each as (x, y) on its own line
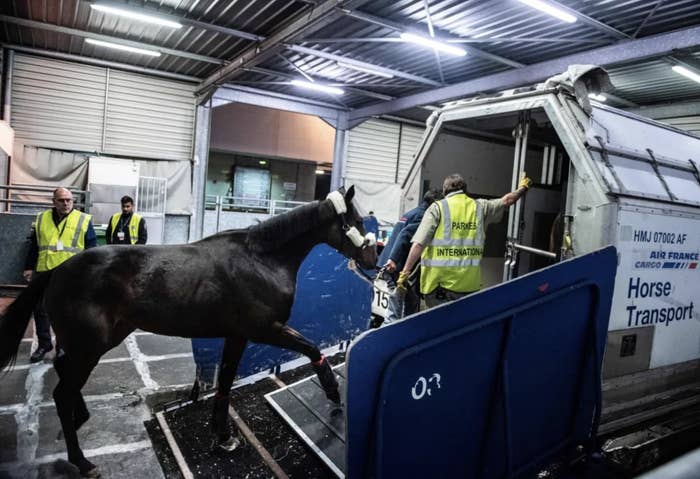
(278, 230)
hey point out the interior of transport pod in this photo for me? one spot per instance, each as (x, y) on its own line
(490, 152)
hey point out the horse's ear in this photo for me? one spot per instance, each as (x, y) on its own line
(349, 195)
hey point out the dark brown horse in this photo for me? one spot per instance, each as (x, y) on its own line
(237, 284)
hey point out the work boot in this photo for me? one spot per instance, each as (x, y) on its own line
(39, 354)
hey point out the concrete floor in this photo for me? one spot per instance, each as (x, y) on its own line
(115, 439)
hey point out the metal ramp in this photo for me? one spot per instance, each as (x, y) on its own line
(499, 384)
(317, 421)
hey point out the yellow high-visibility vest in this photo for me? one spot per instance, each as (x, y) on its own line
(133, 226)
(453, 258)
(58, 243)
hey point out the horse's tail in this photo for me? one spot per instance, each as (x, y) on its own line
(13, 322)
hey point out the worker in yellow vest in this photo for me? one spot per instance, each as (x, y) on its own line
(126, 227)
(450, 241)
(57, 235)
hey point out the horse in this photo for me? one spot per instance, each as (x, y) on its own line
(236, 284)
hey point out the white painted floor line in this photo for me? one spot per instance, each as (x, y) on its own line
(10, 408)
(145, 358)
(27, 418)
(179, 458)
(100, 451)
(163, 357)
(139, 363)
(27, 340)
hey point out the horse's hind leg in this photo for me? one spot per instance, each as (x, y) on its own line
(231, 356)
(73, 375)
(283, 336)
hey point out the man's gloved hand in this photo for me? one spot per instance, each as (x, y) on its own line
(402, 282)
(525, 182)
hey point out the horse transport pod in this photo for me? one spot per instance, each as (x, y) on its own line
(497, 384)
(600, 177)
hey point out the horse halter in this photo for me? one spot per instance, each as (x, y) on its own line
(338, 201)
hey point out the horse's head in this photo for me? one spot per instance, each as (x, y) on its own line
(347, 233)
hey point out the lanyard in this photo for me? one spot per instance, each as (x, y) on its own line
(123, 223)
(65, 222)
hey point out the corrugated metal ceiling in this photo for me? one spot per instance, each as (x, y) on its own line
(498, 34)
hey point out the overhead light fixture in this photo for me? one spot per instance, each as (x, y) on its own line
(262, 162)
(686, 72)
(429, 42)
(317, 87)
(142, 17)
(125, 48)
(364, 69)
(550, 9)
(600, 98)
(320, 172)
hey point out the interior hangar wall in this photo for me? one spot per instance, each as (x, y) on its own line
(70, 110)
(378, 156)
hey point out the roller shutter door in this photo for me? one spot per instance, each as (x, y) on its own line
(410, 140)
(57, 104)
(372, 151)
(149, 117)
(70, 106)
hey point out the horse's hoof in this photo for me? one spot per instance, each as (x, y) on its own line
(231, 444)
(87, 469)
(334, 395)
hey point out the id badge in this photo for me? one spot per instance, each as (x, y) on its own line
(59, 245)
(120, 235)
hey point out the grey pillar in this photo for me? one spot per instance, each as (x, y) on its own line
(7, 75)
(199, 169)
(339, 151)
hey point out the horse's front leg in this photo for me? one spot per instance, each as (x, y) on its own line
(72, 376)
(283, 336)
(231, 356)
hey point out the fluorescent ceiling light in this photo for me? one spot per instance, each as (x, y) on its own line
(600, 98)
(142, 17)
(318, 87)
(429, 42)
(320, 172)
(126, 48)
(365, 69)
(550, 10)
(686, 72)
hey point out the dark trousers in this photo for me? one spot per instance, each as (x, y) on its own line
(43, 327)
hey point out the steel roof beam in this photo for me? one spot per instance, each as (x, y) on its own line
(100, 62)
(350, 61)
(350, 88)
(279, 101)
(183, 20)
(459, 40)
(591, 22)
(307, 21)
(106, 38)
(432, 35)
(398, 27)
(621, 52)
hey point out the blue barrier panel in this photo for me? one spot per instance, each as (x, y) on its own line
(494, 385)
(331, 305)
